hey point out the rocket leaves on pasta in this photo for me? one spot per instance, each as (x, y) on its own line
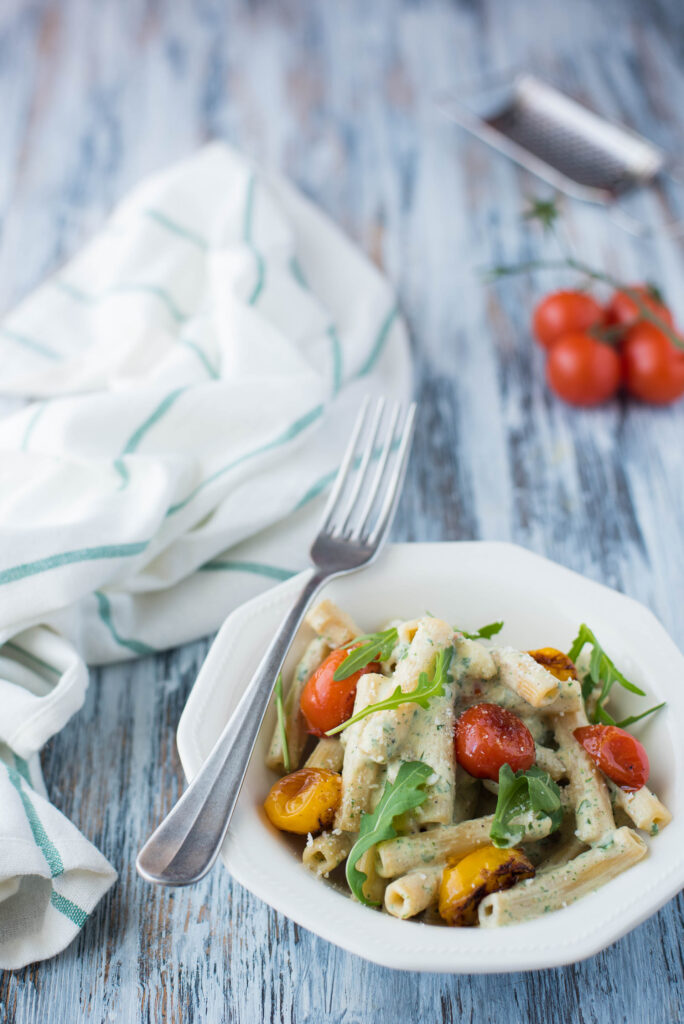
(425, 690)
(281, 721)
(519, 794)
(603, 673)
(486, 633)
(406, 792)
(371, 647)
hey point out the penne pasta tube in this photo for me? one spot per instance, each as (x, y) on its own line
(643, 807)
(412, 893)
(383, 734)
(361, 775)
(588, 791)
(569, 697)
(551, 890)
(431, 740)
(328, 753)
(335, 626)
(434, 846)
(549, 761)
(295, 725)
(447, 844)
(374, 886)
(327, 851)
(472, 661)
(524, 676)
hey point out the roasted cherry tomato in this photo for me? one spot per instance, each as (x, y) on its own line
(623, 310)
(555, 662)
(326, 703)
(488, 736)
(304, 801)
(562, 313)
(582, 370)
(465, 885)
(617, 753)
(652, 367)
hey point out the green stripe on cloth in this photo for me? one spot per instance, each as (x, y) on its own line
(175, 228)
(298, 273)
(30, 426)
(38, 662)
(261, 274)
(154, 417)
(22, 767)
(20, 572)
(105, 610)
(30, 343)
(291, 432)
(316, 489)
(69, 909)
(40, 836)
(257, 568)
(249, 210)
(122, 469)
(379, 343)
(337, 358)
(247, 230)
(125, 288)
(201, 355)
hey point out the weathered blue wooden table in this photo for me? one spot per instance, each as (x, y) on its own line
(340, 96)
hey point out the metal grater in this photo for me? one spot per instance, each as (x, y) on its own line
(570, 147)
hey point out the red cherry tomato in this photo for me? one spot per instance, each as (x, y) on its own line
(488, 736)
(622, 309)
(617, 753)
(652, 367)
(583, 371)
(562, 312)
(325, 702)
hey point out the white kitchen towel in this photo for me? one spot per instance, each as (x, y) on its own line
(193, 376)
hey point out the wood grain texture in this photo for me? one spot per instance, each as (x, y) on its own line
(340, 97)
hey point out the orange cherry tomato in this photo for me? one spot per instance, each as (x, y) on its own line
(326, 703)
(562, 312)
(555, 662)
(488, 736)
(617, 753)
(582, 370)
(304, 801)
(652, 367)
(623, 310)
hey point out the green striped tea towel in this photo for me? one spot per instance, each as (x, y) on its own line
(190, 379)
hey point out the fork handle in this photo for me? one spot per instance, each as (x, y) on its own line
(184, 847)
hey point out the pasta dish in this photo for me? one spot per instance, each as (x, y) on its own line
(448, 777)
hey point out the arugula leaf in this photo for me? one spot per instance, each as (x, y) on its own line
(425, 690)
(482, 634)
(519, 792)
(281, 721)
(606, 719)
(374, 647)
(603, 673)
(405, 793)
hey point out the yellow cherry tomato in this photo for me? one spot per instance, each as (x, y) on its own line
(304, 801)
(465, 884)
(555, 662)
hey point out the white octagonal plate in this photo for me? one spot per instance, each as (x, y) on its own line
(542, 604)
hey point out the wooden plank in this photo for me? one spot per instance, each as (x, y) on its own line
(340, 97)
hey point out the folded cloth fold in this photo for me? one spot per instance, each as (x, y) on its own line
(191, 379)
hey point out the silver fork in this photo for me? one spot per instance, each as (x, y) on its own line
(355, 525)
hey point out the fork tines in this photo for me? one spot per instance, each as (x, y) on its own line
(366, 490)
